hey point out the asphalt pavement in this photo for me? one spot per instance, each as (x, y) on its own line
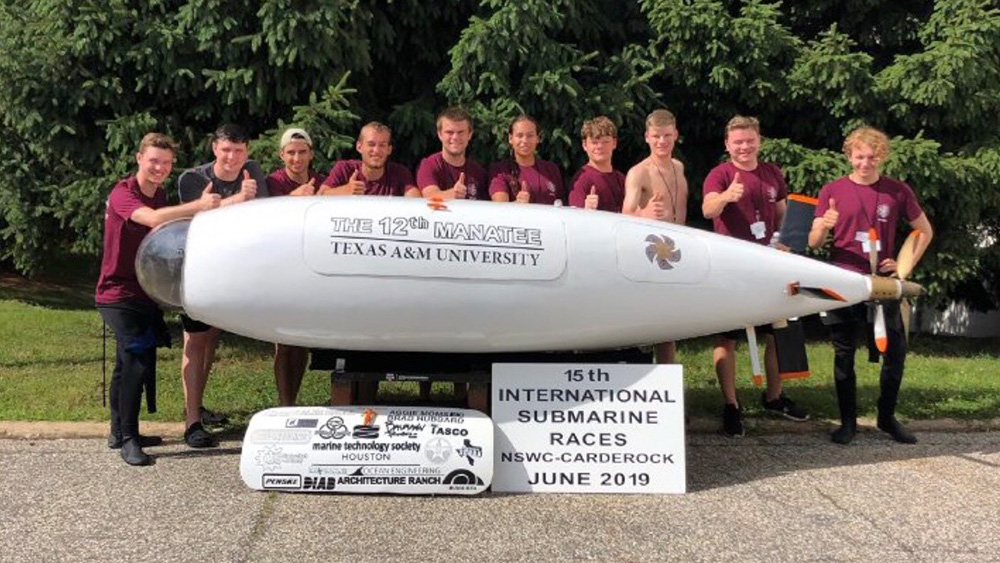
(773, 496)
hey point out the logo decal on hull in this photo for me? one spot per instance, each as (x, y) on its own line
(662, 251)
(437, 204)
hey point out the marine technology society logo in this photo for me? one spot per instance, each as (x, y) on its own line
(333, 428)
(662, 251)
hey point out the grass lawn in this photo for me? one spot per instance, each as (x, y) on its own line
(51, 362)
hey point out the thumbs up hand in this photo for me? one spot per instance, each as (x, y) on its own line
(523, 195)
(309, 188)
(209, 199)
(592, 199)
(831, 216)
(459, 190)
(248, 189)
(354, 186)
(655, 208)
(735, 190)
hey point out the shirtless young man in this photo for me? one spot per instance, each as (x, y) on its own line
(656, 188)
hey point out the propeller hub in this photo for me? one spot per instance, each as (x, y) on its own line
(892, 289)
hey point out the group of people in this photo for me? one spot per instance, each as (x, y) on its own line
(745, 198)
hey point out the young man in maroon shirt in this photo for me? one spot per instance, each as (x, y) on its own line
(374, 174)
(450, 174)
(849, 208)
(295, 178)
(745, 199)
(135, 206)
(598, 185)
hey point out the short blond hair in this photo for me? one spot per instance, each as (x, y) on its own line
(877, 140)
(456, 114)
(374, 127)
(158, 141)
(600, 126)
(743, 122)
(660, 118)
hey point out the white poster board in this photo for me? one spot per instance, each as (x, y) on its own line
(380, 449)
(589, 428)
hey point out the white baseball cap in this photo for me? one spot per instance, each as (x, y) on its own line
(295, 134)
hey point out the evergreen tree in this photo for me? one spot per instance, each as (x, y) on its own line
(81, 81)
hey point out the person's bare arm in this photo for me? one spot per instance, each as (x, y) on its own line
(633, 191)
(154, 217)
(779, 211)
(922, 224)
(822, 225)
(354, 186)
(457, 191)
(716, 202)
(309, 188)
(635, 184)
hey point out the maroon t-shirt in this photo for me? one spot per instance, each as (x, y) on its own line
(117, 282)
(434, 171)
(394, 181)
(883, 204)
(610, 188)
(543, 179)
(280, 183)
(763, 188)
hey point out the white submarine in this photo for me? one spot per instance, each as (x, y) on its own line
(414, 275)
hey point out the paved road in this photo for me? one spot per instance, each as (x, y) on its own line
(773, 497)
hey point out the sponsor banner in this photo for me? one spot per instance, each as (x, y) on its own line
(586, 428)
(383, 449)
(355, 237)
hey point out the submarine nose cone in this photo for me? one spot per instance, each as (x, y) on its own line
(159, 263)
